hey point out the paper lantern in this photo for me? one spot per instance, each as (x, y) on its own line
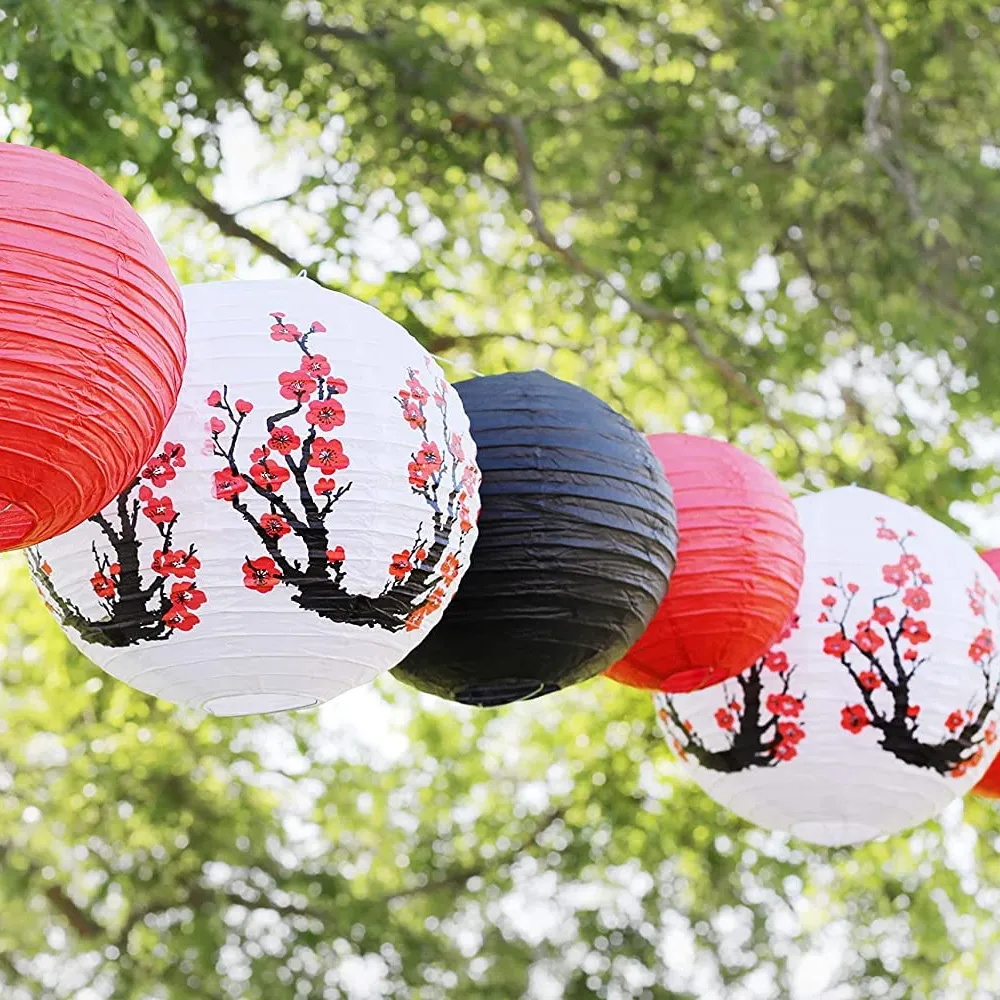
(738, 574)
(878, 706)
(577, 542)
(91, 344)
(305, 522)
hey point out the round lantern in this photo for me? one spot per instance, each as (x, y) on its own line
(306, 519)
(576, 546)
(877, 707)
(91, 344)
(738, 574)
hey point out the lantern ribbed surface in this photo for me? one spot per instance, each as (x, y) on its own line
(91, 344)
(309, 513)
(738, 574)
(878, 705)
(577, 541)
(988, 786)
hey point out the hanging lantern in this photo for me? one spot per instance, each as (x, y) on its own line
(91, 344)
(989, 785)
(304, 523)
(577, 542)
(877, 707)
(739, 569)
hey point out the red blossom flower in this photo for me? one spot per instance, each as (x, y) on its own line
(954, 722)
(910, 654)
(159, 470)
(913, 711)
(287, 332)
(464, 519)
(829, 581)
(917, 598)
(829, 601)
(284, 440)
(317, 327)
(909, 561)
(174, 453)
(268, 475)
(175, 562)
(991, 734)
(725, 719)
(216, 425)
(145, 493)
(188, 595)
(470, 479)
(449, 568)
(435, 600)
(736, 706)
(114, 569)
(852, 588)
(823, 618)
(867, 639)
(785, 751)
(776, 660)
(160, 510)
(259, 454)
(791, 732)
(419, 475)
(324, 487)
(328, 456)
(976, 759)
(439, 400)
(784, 704)
(883, 615)
(244, 406)
(103, 586)
(976, 606)
(296, 385)
(179, 618)
(886, 534)
(456, 447)
(274, 525)
(894, 573)
(214, 398)
(869, 680)
(836, 645)
(261, 575)
(915, 631)
(336, 386)
(959, 770)
(325, 414)
(317, 366)
(854, 718)
(982, 646)
(400, 564)
(226, 485)
(925, 578)
(417, 391)
(336, 555)
(413, 416)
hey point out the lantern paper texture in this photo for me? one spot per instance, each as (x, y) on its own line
(91, 344)
(307, 518)
(878, 705)
(738, 574)
(577, 540)
(988, 786)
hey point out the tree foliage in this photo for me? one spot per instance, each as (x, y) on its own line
(769, 221)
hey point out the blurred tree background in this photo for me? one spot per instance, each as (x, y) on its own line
(776, 222)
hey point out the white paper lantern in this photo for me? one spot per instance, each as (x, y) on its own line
(307, 519)
(878, 706)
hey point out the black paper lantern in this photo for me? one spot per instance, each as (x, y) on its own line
(577, 541)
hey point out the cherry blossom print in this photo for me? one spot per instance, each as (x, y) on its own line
(853, 718)
(188, 595)
(243, 407)
(261, 575)
(326, 414)
(133, 576)
(881, 656)
(760, 728)
(214, 398)
(289, 487)
(179, 618)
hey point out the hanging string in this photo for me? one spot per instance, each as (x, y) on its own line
(458, 366)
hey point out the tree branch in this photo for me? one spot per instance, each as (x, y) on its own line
(576, 31)
(665, 317)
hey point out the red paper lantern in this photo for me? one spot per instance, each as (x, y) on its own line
(989, 785)
(91, 344)
(738, 574)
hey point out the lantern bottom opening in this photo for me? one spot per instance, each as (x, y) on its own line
(15, 524)
(502, 692)
(258, 703)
